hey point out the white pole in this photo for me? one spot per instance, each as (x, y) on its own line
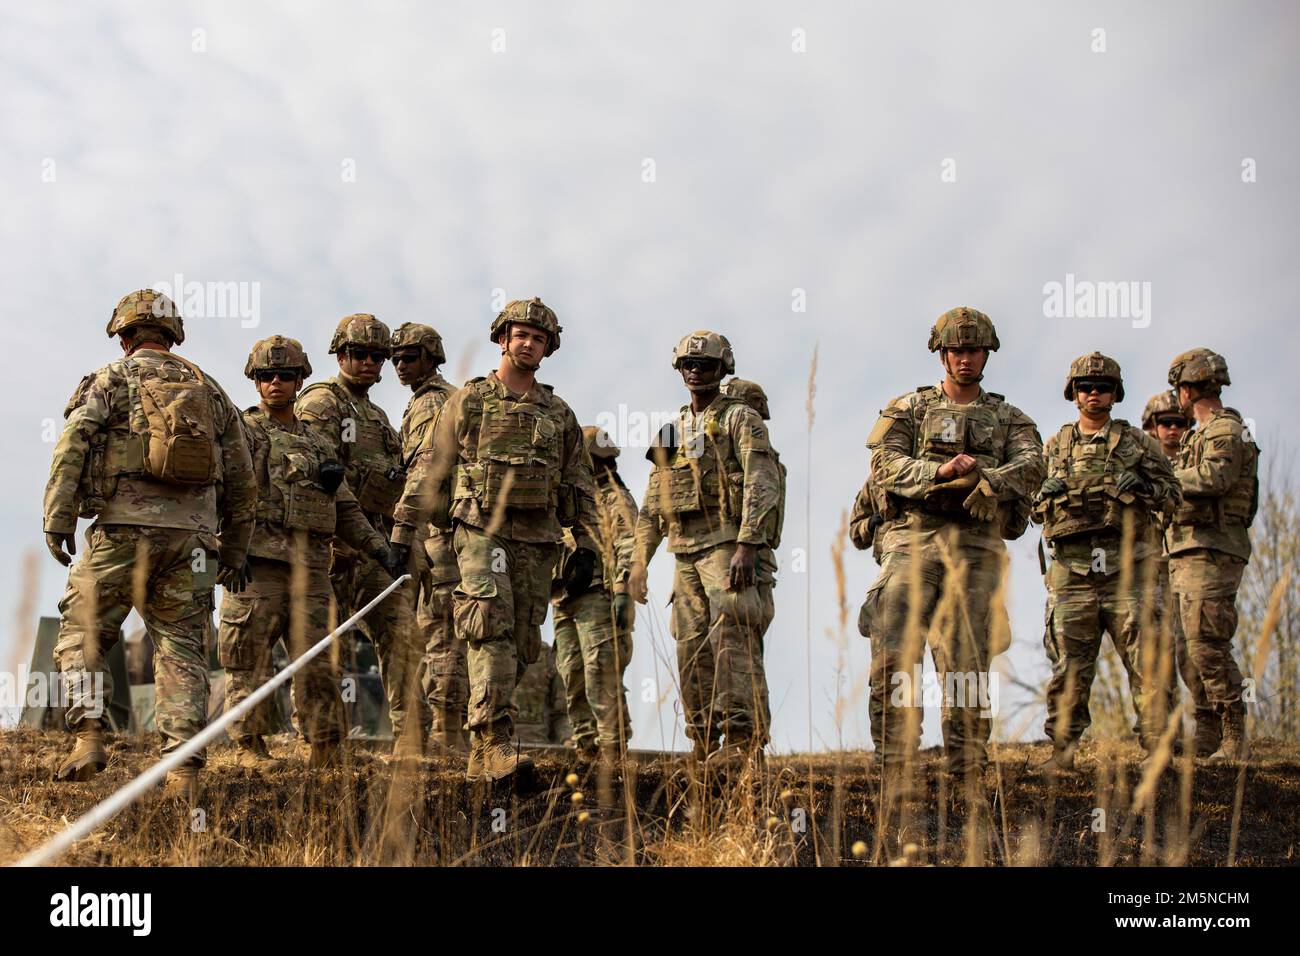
(118, 801)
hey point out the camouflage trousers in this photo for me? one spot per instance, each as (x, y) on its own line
(1080, 609)
(444, 672)
(357, 579)
(172, 590)
(543, 717)
(956, 625)
(265, 612)
(499, 605)
(1205, 584)
(592, 658)
(1185, 668)
(719, 636)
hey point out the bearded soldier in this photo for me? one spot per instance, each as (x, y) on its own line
(504, 469)
(303, 502)
(957, 466)
(715, 494)
(357, 433)
(417, 354)
(1102, 473)
(593, 628)
(1208, 538)
(154, 451)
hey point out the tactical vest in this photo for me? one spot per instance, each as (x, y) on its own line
(1238, 504)
(1091, 503)
(374, 456)
(515, 459)
(293, 498)
(703, 473)
(419, 415)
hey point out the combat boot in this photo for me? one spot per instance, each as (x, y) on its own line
(325, 754)
(88, 757)
(1209, 734)
(182, 784)
(1061, 760)
(254, 755)
(501, 757)
(474, 772)
(1233, 744)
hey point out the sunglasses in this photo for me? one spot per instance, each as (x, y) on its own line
(698, 365)
(409, 358)
(375, 355)
(1172, 422)
(277, 374)
(1101, 387)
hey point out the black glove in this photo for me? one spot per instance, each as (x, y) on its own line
(394, 558)
(330, 474)
(623, 611)
(56, 542)
(1051, 488)
(1131, 481)
(579, 571)
(235, 580)
(873, 523)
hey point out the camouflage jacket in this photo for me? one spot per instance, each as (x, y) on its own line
(272, 539)
(919, 431)
(99, 413)
(866, 506)
(1217, 468)
(426, 401)
(615, 533)
(1091, 464)
(720, 484)
(514, 463)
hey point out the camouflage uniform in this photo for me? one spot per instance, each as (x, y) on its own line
(1095, 481)
(357, 433)
(591, 651)
(506, 473)
(540, 699)
(296, 518)
(101, 469)
(444, 672)
(924, 524)
(1208, 539)
(714, 486)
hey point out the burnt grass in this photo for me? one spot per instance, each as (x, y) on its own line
(798, 812)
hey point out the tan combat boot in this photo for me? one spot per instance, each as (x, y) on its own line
(88, 757)
(1233, 745)
(182, 784)
(1061, 760)
(1209, 734)
(501, 757)
(474, 772)
(254, 755)
(325, 754)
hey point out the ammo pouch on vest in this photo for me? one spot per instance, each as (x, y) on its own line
(1087, 505)
(307, 506)
(504, 484)
(173, 434)
(674, 490)
(380, 490)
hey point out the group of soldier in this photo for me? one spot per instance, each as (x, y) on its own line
(306, 506)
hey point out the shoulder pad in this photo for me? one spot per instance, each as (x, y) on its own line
(924, 388)
(996, 397)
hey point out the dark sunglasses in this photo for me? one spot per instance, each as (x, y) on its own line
(698, 365)
(1100, 386)
(277, 374)
(408, 357)
(1172, 422)
(375, 355)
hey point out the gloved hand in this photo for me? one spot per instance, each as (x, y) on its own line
(1051, 488)
(982, 503)
(623, 611)
(235, 580)
(962, 484)
(1131, 481)
(56, 542)
(394, 558)
(330, 474)
(578, 572)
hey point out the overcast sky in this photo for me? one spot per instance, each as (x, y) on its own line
(796, 178)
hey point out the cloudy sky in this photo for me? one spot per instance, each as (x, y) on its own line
(829, 178)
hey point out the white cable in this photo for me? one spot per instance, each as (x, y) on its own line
(118, 801)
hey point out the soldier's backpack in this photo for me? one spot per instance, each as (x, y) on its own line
(171, 420)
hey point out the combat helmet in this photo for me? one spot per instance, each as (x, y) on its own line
(1161, 403)
(532, 312)
(278, 351)
(1199, 367)
(706, 345)
(598, 442)
(423, 336)
(360, 328)
(146, 307)
(963, 328)
(751, 393)
(1094, 365)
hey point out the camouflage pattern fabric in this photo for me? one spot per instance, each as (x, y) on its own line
(542, 717)
(1205, 584)
(591, 657)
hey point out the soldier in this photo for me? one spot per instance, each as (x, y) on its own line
(504, 468)
(303, 502)
(867, 518)
(417, 354)
(357, 433)
(1162, 420)
(593, 628)
(543, 714)
(714, 493)
(1101, 473)
(1208, 540)
(154, 451)
(957, 466)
